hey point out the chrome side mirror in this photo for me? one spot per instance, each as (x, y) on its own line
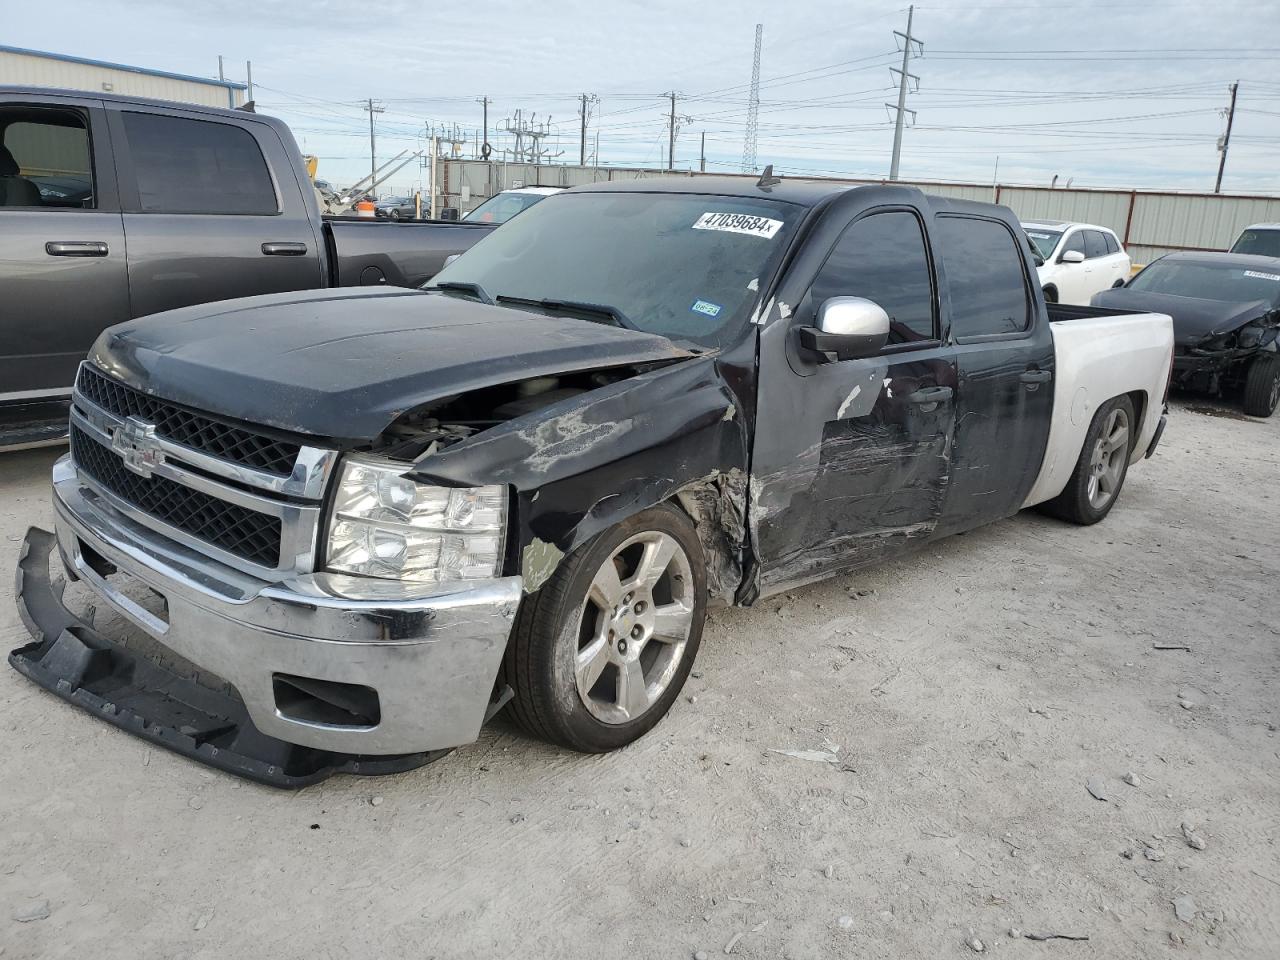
(848, 328)
(1072, 256)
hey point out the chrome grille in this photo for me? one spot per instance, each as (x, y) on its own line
(246, 533)
(187, 427)
(261, 517)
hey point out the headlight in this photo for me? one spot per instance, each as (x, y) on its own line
(386, 525)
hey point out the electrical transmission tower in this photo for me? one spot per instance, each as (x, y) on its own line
(753, 109)
(911, 47)
(528, 136)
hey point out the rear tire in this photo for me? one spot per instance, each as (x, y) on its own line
(1262, 386)
(1099, 475)
(600, 652)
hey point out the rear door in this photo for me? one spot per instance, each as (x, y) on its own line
(62, 251)
(1004, 356)
(851, 460)
(1118, 263)
(1099, 267)
(212, 209)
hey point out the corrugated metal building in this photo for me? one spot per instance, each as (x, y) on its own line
(1150, 222)
(36, 68)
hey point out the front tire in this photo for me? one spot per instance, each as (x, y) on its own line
(1099, 475)
(1050, 295)
(601, 651)
(1262, 386)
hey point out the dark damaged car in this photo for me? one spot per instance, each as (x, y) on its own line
(1226, 322)
(373, 518)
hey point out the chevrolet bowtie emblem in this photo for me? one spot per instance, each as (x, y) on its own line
(135, 441)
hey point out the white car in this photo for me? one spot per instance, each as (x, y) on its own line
(1262, 239)
(1080, 259)
(501, 207)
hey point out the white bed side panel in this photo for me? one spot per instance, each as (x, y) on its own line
(1097, 359)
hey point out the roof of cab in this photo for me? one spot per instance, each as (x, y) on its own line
(56, 93)
(803, 192)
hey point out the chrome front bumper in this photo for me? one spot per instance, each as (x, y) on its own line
(430, 653)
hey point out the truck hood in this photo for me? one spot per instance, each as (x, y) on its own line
(1193, 319)
(346, 363)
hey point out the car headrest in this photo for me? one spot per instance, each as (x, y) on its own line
(8, 165)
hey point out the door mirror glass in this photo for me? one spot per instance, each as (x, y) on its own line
(1072, 256)
(848, 328)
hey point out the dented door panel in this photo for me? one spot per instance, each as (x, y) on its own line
(851, 461)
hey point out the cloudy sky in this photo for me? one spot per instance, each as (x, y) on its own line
(1101, 93)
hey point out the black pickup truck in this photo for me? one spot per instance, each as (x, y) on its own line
(372, 519)
(115, 207)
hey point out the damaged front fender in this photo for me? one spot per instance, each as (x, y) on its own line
(590, 461)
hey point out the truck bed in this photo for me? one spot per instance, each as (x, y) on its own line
(400, 253)
(1066, 312)
(1101, 354)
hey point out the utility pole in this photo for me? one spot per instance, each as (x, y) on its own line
(753, 109)
(903, 78)
(582, 135)
(1226, 140)
(671, 134)
(220, 76)
(248, 75)
(485, 149)
(702, 154)
(373, 146)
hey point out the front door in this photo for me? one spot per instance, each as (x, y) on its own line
(62, 255)
(851, 460)
(212, 210)
(1004, 353)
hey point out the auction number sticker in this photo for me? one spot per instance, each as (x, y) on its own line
(1261, 276)
(739, 223)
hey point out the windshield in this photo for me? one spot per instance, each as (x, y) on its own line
(1045, 240)
(503, 206)
(685, 266)
(1265, 243)
(1205, 281)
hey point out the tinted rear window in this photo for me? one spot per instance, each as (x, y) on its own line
(197, 166)
(1094, 245)
(984, 272)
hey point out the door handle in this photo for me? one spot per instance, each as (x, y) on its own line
(930, 395)
(1034, 377)
(76, 248)
(271, 249)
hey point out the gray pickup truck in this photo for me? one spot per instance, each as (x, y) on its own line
(114, 207)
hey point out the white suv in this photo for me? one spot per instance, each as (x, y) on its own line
(1080, 259)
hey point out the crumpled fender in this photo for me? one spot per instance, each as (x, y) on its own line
(588, 462)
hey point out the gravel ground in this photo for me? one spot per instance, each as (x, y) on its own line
(967, 697)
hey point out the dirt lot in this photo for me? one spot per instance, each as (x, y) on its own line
(969, 693)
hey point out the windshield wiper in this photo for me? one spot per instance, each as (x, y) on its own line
(462, 286)
(589, 311)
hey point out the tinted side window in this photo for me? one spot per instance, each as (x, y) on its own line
(1074, 242)
(1094, 245)
(197, 166)
(882, 258)
(984, 271)
(1113, 245)
(44, 159)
